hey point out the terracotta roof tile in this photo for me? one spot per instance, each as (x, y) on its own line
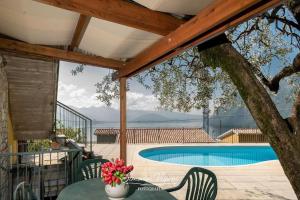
(160, 135)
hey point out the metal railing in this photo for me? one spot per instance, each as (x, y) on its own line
(48, 172)
(73, 124)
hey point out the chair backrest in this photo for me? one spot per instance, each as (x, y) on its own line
(201, 184)
(23, 192)
(90, 168)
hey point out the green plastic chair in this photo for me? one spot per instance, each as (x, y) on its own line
(23, 192)
(90, 169)
(201, 184)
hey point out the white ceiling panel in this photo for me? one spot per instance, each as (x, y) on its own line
(180, 7)
(114, 40)
(36, 23)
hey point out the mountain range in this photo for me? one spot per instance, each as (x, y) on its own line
(107, 114)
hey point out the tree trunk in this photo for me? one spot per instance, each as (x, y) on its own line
(280, 135)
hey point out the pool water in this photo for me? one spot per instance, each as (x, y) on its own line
(210, 155)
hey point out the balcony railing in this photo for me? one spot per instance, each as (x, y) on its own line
(73, 124)
(48, 172)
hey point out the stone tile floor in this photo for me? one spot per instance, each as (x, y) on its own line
(262, 181)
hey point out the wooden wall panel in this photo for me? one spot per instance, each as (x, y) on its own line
(32, 87)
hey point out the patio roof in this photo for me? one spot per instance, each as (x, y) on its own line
(37, 23)
(107, 33)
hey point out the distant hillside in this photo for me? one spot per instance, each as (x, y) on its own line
(151, 117)
(102, 114)
(241, 117)
(107, 114)
(234, 118)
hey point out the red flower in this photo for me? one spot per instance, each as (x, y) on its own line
(115, 172)
(118, 181)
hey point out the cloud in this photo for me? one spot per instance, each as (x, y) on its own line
(73, 95)
(78, 93)
(138, 101)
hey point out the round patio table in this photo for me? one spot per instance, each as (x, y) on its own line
(94, 189)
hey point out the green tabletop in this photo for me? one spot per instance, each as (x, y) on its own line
(94, 189)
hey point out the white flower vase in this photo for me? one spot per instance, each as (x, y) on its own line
(117, 192)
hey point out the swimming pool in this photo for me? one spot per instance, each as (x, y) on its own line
(210, 155)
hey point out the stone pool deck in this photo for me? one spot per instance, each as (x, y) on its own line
(262, 181)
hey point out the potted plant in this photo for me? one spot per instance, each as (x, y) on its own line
(115, 175)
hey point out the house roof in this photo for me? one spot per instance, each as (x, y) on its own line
(240, 131)
(107, 131)
(160, 135)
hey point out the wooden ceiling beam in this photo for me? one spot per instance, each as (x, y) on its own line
(76, 57)
(210, 22)
(122, 12)
(81, 27)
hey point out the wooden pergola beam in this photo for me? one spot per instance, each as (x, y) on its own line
(123, 138)
(122, 12)
(12, 45)
(210, 22)
(81, 27)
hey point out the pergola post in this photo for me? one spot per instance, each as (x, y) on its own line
(123, 140)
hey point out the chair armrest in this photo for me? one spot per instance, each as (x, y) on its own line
(173, 188)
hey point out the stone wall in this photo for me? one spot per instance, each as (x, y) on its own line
(3, 132)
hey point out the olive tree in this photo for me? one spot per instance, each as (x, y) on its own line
(237, 64)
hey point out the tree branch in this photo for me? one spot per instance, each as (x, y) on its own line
(284, 21)
(248, 30)
(277, 17)
(273, 84)
(294, 6)
(273, 16)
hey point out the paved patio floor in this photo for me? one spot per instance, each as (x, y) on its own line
(262, 181)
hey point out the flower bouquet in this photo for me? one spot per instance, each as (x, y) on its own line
(115, 175)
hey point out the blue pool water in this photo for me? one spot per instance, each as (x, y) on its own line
(210, 155)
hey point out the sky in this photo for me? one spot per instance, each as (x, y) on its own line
(80, 90)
